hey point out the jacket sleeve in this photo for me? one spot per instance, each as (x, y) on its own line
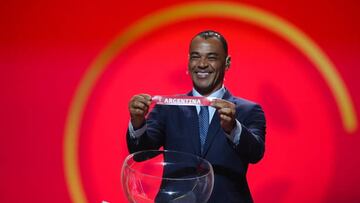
(154, 135)
(252, 138)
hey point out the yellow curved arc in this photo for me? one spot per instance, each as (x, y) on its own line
(151, 22)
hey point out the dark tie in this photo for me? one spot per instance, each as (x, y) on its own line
(203, 124)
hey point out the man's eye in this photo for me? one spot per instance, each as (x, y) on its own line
(212, 58)
(194, 57)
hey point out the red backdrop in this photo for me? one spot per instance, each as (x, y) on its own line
(48, 49)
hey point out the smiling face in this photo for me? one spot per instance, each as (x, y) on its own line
(207, 64)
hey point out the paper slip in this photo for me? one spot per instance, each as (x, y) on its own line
(182, 100)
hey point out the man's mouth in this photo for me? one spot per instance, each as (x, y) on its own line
(202, 74)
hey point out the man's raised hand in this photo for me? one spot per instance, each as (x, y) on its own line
(227, 113)
(138, 108)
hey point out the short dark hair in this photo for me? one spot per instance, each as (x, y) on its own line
(206, 34)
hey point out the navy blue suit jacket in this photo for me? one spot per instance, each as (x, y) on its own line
(177, 128)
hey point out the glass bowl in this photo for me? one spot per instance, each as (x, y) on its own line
(166, 176)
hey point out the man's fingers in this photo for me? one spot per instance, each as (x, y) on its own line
(138, 108)
(144, 98)
(138, 111)
(225, 118)
(227, 111)
(138, 104)
(140, 101)
(216, 103)
(220, 103)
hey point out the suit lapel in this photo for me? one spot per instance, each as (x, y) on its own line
(192, 121)
(215, 128)
(227, 96)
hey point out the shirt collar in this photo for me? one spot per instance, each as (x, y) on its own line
(218, 93)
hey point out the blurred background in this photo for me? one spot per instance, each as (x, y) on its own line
(68, 69)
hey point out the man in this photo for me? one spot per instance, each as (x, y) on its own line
(234, 137)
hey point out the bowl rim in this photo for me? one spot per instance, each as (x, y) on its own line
(125, 164)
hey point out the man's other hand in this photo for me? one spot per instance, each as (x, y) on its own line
(226, 112)
(138, 108)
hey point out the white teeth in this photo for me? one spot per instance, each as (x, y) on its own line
(202, 75)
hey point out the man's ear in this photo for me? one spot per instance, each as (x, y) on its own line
(227, 62)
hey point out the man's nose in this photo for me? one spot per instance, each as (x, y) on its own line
(203, 63)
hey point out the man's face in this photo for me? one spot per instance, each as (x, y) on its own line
(206, 64)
